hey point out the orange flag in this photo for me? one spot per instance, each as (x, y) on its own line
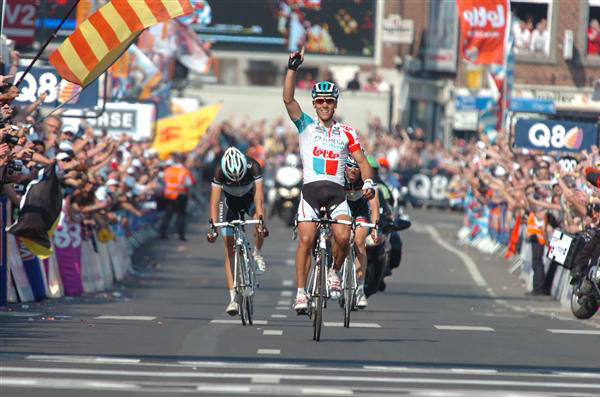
(104, 36)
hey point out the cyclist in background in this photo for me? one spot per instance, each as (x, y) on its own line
(362, 210)
(241, 181)
(324, 148)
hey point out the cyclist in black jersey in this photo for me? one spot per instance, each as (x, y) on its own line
(362, 210)
(239, 179)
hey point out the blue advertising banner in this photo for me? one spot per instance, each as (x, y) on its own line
(58, 91)
(463, 102)
(545, 106)
(555, 135)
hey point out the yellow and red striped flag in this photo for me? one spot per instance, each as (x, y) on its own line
(104, 36)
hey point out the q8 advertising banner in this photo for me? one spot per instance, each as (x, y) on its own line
(555, 135)
(45, 80)
(330, 27)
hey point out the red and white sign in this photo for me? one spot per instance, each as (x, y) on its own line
(484, 28)
(19, 20)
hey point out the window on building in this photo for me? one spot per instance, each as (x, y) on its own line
(593, 28)
(531, 26)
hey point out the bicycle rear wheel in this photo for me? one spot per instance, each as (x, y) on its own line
(320, 297)
(349, 289)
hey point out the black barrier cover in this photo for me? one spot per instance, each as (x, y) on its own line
(426, 187)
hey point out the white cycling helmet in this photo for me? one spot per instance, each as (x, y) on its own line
(234, 164)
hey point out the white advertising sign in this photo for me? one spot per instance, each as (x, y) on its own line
(397, 30)
(134, 119)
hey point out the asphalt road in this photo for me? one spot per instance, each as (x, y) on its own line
(452, 322)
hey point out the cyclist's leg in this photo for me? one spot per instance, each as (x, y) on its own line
(306, 237)
(341, 234)
(229, 255)
(360, 247)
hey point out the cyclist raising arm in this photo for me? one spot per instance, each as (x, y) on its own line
(324, 148)
(241, 180)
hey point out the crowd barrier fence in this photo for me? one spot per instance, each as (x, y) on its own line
(488, 228)
(81, 262)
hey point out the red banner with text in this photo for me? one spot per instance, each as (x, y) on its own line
(484, 26)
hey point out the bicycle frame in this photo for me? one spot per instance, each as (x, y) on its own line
(244, 281)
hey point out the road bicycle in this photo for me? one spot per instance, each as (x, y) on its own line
(349, 283)
(317, 290)
(244, 269)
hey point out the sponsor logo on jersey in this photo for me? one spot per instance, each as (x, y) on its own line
(327, 154)
(325, 161)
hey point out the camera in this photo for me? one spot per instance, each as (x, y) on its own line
(10, 139)
(14, 166)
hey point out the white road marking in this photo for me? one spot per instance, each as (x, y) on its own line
(462, 328)
(268, 351)
(279, 315)
(352, 325)
(19, 314)
(287, 283)
(223, 389)
(466, 259)
(282, 308)
(438, 371)
(575, 331)
(66, 383)
(277, 332)
(311, 376)
(254, 322)
(290, 262)
(128, 318)
(323, 391)
(283, 302)
(291, 248)
(272, 379)
(286, 293)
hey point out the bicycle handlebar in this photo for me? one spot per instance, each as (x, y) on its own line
(237, 222)
(334, 221)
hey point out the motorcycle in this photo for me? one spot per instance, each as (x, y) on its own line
(386, 255)
(286, 193)
(585, 295)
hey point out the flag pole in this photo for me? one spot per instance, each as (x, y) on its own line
(3, 12)
(52, 36)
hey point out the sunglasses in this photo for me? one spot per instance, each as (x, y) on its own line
(329, 101)
(353, 166)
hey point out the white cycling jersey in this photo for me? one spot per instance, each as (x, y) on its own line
(324, 150)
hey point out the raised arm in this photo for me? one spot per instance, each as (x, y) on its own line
(289, 86)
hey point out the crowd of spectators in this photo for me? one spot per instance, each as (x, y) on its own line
(530, 39)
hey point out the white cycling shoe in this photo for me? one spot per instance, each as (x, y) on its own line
(335, 286)
(361, 299)
(233, 308)
(301, 304)
(261, 266)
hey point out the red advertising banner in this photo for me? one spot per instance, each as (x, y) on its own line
(484, 28)
(19, 20)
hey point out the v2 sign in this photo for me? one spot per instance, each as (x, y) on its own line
(19, 20)
(555, 135)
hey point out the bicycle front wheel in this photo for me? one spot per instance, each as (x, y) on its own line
(320, 297)
(349, 289)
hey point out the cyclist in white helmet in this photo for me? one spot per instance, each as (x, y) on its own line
(324, 148)
(241, 180)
